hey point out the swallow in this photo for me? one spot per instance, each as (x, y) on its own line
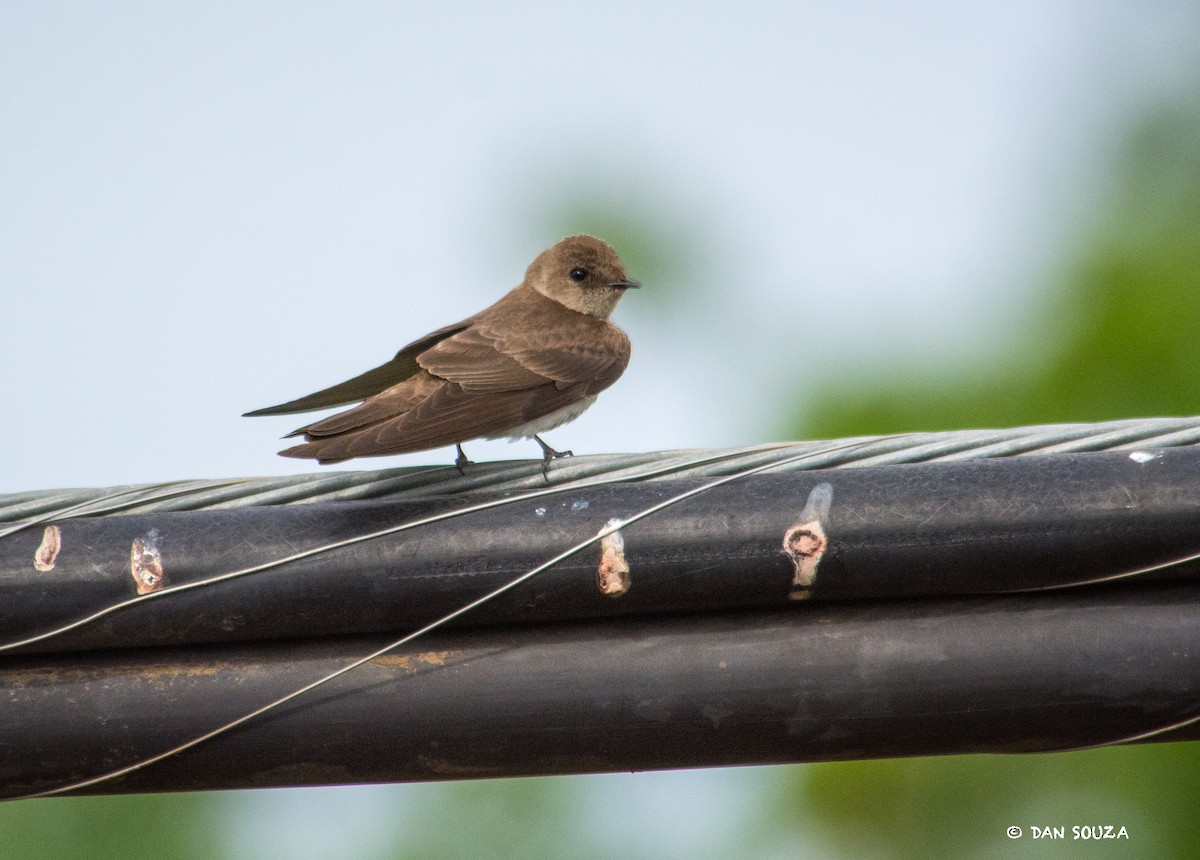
(533, 361)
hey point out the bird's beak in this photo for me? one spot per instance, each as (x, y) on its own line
(625, 283)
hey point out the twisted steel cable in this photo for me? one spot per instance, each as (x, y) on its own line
(518, 475)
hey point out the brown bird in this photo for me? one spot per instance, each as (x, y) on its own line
(531, 362)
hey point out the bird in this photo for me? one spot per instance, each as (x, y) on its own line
(533, 361)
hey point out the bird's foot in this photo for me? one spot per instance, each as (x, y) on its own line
(549, 454)
(461, 460)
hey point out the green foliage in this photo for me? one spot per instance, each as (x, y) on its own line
(1120, 337)
(528, 818)
(1117, 338)
(962, 806)
(155, 827)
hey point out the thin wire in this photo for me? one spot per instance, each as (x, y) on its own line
(142, 494)
(536, 494)
(616, 526)
(424, 482)
(1111, 577)
(1140, 736)
(462, 610)
(319, 550)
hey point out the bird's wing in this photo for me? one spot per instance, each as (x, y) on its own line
(385, 406)
(468, 359)
(368, 384)
(482, 360)
(594, 365)
(473, 383)
(452, 414)
(448, 415)
(492, 386)
(479, 360)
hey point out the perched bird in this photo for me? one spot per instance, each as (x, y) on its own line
(531, 362)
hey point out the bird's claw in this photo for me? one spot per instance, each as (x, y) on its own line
(549, 454)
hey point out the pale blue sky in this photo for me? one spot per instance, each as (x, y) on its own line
(207, 208)
(210, 208)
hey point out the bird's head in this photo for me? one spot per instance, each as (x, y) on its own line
(581, 272)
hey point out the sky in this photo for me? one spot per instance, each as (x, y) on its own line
(209, 208)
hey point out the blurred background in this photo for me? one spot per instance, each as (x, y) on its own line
(849, 218)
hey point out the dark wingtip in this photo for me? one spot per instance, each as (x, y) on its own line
(298, 452)
(306, 452)
(270, 410)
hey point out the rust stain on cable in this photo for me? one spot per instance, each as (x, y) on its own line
(104, 675)
(612, 576)
(47, 551)
(805, 542)
(405, 661)
(145, 563)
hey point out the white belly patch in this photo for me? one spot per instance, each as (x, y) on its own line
(547, 422)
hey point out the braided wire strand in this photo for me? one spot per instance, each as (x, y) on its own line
(22, 509)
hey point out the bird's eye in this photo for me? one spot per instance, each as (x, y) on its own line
(578, 275)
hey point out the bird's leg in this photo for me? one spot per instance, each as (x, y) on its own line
(461, 460)
(549, 454)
